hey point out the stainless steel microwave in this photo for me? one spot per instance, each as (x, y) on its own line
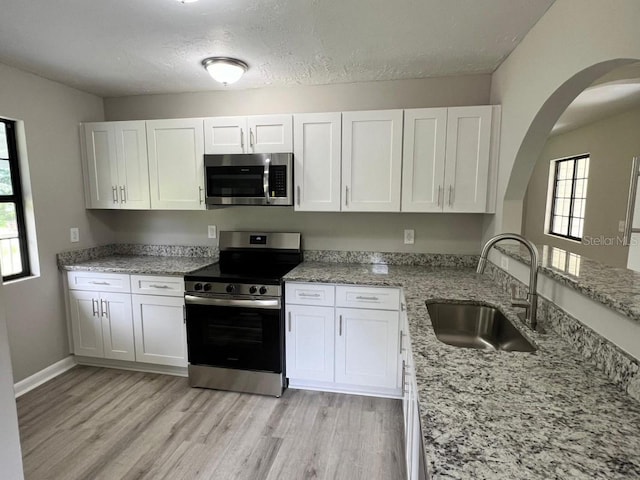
(249, 179)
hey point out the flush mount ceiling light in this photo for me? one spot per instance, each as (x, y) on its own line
(224, 69)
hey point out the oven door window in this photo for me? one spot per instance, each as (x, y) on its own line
(238, 181)
(231, 337)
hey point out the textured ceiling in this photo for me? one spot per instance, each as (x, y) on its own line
(126, 47)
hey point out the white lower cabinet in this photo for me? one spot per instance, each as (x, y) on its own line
(160, 334)
(147, 326)
(367, 347)
(334, 348)
(102, 324)
(310, 340)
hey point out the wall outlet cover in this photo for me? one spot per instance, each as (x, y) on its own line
(212, 231)
(409, 237)
(621, 225)
(74, 234)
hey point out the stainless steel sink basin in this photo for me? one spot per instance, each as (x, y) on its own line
(476, 326)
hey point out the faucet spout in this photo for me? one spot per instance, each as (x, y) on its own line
(532, 297)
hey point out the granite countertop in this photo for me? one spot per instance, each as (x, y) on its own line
(141, 264)
(616, 288)
(502, 415)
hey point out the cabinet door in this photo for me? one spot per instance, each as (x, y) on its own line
(309, 342)
(100, 157)
(371, 161)
(317, 145)
(366, 347)
(467, 159)
(160, 333)
(176, 164)
(86, 323)
(270, 134)
(425, 134)
(117, 326)
(133, 165)
(225, 135)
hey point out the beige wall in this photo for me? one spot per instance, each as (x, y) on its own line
(35, 310)
(612, 144)
(442, 233)
(556, 60)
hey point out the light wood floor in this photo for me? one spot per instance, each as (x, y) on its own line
(95, 423)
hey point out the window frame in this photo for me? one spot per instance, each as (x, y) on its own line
(572, 198)
(16, 198)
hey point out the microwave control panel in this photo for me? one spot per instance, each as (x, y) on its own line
(278, 181)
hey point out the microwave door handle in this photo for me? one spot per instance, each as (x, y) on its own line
(265, 180)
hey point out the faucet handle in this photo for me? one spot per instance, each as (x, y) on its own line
(515, 300)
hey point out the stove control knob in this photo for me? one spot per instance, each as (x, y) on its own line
(197, 286)
(263, 290)
(207, 287)
(230, 288)
(253, 290)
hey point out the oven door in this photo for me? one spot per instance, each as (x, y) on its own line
(234, 333)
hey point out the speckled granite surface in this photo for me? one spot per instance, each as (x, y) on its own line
(616, 288)
(393, 258)
(139, 259)
(503, 415)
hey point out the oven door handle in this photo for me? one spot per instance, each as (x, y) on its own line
(272, 304)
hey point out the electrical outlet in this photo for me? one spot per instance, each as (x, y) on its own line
(409, 237)
(74, 234)
(504, 263)
(212, 232)
(621, 225)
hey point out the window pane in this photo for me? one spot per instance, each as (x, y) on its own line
(5, 177)
(10, 258)
(565, 172)
(4, 146)
(8, 220)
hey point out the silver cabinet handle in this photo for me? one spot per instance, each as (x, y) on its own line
(340, 326)
(298, 194)
(346, 196)
(200, 194)
(439, 194)
(251, 142)
(450, 195)
(289, 321)
(403, 382)
(372, 299)
(94, 305)
(123, 194)
(114, 193)
(403, 307)
(242, 139)
(153, 285)
(93, 282)
(104, 307)
(309, 295)
(401, 335)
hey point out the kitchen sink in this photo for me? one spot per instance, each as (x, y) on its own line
(476, 326)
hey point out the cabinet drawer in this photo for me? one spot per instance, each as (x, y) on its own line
(310, 294)
(157, 285)
(367, 297)
(95, 281)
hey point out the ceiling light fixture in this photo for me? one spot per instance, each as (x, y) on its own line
(224, 69)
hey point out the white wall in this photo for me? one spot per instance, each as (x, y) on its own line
(442, 233)
(10, 453)
(573, 44)
(51, 113)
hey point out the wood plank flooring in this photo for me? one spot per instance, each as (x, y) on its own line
(106, 424)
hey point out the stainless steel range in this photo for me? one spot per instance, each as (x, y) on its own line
(235, 313)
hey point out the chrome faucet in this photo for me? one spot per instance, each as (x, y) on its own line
(531, 302)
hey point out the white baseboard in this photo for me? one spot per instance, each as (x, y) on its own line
(132, 366)
(44, 375)
(348, 389)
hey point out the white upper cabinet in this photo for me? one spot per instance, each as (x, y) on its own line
(447, 160)
(371, 161)
(423, 162)
(317, 153)
(255, 134)
(466, 178)
(117, 168)
(176, 166)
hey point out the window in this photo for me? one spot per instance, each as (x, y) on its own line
(14, 257)
(569, 197)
